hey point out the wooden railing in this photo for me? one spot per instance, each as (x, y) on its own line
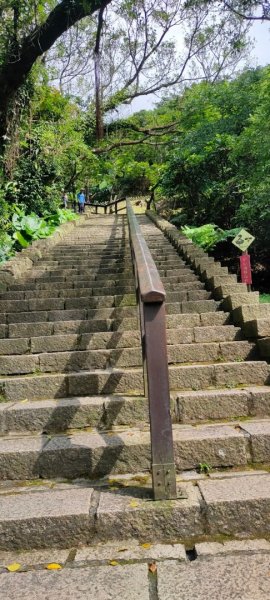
(109, 205)
(151, 298)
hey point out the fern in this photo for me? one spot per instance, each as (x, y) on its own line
(207, 236)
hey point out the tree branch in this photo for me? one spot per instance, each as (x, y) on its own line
(15, 70)
(264, 17)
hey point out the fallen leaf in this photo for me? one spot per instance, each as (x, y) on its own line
(14, 567)
(114, 563)
(53, 567)
(133, 504)
(152, 567)
(122, 550)
(24, 401)
(146, 546)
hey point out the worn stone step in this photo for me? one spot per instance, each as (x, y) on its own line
(211, 352)
(85, 256)
(61, 516)
(87, 283)
(230, 506)
(105, 412)
(117, 312)
(51, 360)
(130, 381)
(257, 328)
(248, 312)
(183, 285)
(69, 342)
(48, 386)
(187, 320)
(199, 306)
(229, 374)
(100, 412)
(70, 315)
(52, 304)
(33, 338)
(43, 276)
(83, 321)
(63, 328)
(221, 404)
(95, 454)
(172, 292)
(68, 293)
(201, 334)
(183, 275)
(100, 283)
(79, 262)
(60, 362)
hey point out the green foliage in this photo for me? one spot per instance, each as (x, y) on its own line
(25, 228)
(220, 169)
(208, 236)
(264, 298)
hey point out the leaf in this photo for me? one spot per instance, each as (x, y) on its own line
(19, 238)
(133, 504)
(152, 567)
(146, 546)
(13, 567)
(53, 567)
(24, 401)
(114, 563)
(122, 549)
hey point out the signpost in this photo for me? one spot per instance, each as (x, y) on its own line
(243, 241)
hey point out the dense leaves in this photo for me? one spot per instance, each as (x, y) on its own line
(220, 171)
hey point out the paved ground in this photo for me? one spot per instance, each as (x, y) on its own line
(230, 571)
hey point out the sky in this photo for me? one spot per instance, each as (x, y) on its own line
(260, 56)
(261, 34)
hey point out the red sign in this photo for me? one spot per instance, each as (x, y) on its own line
(246, 276)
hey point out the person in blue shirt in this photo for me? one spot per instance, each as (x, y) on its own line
(81, 201)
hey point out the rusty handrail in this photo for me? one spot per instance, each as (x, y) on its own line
(151, 300)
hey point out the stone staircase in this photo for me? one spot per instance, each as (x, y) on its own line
(75, 447)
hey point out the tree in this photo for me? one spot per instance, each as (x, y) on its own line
(134, 52)
(219, 171)
(29, 37)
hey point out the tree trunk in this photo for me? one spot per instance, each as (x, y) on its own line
(98, 86)
(14, 72)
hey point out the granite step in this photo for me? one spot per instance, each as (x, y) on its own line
(68, 515)
(99, 453)
(74, 314)
(52, 304)
(221, 404)
(50, 341)
(46, 358)
(188, 325)
(100, 281)
(107, 412)
(129, 381)
(126, 450)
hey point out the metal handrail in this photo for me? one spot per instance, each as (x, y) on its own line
(151, 300)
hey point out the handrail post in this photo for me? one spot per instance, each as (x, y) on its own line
(156, 365)
(151, 300)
